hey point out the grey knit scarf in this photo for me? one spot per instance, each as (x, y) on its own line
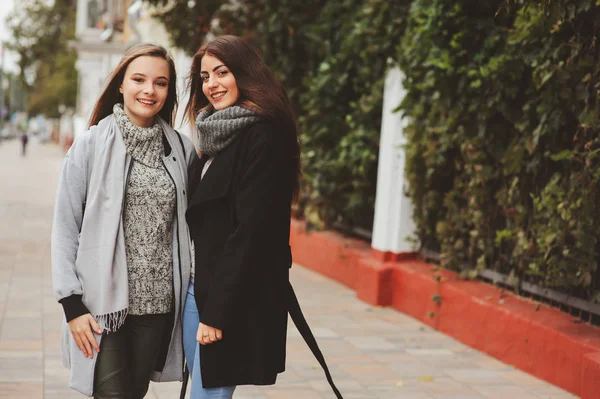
(144, 144)
(218, 129)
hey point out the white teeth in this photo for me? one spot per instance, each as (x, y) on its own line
(218, 95)
(147, 102)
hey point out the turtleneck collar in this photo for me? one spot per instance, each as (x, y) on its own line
(144, 144)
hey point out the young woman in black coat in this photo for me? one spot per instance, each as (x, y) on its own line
(240, 196)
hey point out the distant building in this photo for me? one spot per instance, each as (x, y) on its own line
(104, 31)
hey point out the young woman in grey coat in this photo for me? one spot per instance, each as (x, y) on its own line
(120, 242)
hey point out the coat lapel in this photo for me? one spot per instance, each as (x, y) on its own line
(217, 179)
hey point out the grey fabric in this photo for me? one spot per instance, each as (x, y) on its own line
(144, 144)
(147, 219)
(218, 129)
(93, 263)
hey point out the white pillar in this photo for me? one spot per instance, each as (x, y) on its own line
(393, 223)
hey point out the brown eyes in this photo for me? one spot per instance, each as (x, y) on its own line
(220, 73)
(160, 83)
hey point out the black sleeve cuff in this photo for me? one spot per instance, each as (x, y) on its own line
(73, 307)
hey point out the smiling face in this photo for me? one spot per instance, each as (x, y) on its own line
(145, 89)
(218, 83)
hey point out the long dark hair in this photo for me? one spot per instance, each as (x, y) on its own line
(111, 95)
(258, 89)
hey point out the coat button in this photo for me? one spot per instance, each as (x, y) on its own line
(183, 192)
(174, 159)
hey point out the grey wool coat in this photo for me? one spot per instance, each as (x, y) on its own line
(82, 245)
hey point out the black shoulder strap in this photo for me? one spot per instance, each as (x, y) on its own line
(180, 141)
(304, 329)
(186, 377)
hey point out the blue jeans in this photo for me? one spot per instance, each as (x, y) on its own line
(192, 349)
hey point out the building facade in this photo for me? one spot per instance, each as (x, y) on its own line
(105, 30)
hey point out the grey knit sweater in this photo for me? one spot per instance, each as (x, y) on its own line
(147, 219)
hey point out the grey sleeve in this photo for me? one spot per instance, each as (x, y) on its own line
(68, 217)
(190, 150)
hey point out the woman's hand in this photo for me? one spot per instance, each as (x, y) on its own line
(207, 334)
(81, 329)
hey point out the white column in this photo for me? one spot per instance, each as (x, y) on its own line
(81, 17)
(393, 223)
(91, 69)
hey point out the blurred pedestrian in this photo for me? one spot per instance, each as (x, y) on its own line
(24, 141)
(120, 244)
(241, 192)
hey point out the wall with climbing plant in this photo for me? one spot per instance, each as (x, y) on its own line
(503, 153)
(503, 112)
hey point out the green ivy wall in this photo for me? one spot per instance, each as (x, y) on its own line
(503, 139)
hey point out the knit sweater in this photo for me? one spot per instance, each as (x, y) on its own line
(148, 212)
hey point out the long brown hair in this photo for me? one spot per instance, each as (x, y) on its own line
(111, 95)
(258, 89)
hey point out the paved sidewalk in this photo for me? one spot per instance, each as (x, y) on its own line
(373, 352)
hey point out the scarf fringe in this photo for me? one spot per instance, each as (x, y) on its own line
(111, 322)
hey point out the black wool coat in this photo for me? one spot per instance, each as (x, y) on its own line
(239, 219)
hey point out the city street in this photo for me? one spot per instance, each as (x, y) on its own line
(373, 352)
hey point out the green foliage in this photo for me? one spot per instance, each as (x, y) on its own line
(40, 35)
(502, 103)
(187, 21)
(504, 136)
(342, 107)
(331, 56)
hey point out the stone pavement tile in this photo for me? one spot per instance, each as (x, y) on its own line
(344, 385)
(407, 395)
(23, 345)
(70, 394)
(371, 343)
(495, 391)
(430, 352)
(324, 333)
(292, 393)
(165, 390)
(18, 301)
(348, 358)
(443, 362)
(21, 390)
(328, 347)
(23, 314)
(54, 370)
(21, 329)
(56, 382)
(310, 371)
(368, 373)
(438, 386)
(551, 392)
(289, 377)
(476, 376)
(5, 274)
(21, 366)
(397, 357)
(411, 370)
(490, 363)
(534, 385)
